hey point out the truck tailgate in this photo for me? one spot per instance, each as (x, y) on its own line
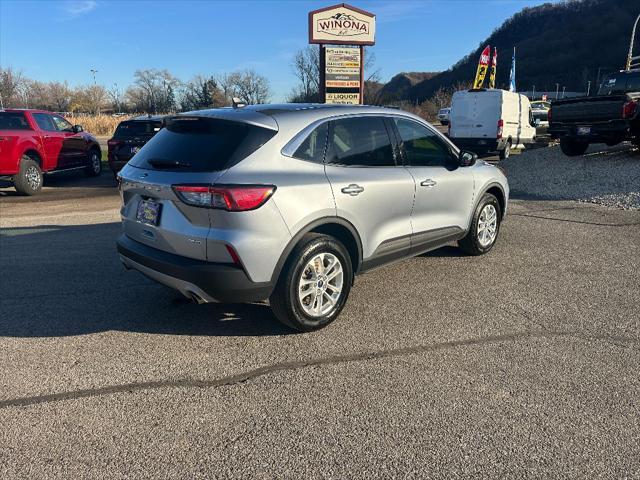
(588, 110)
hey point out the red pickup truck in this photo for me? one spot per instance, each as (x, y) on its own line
(34, 142)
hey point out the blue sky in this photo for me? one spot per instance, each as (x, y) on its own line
(65, 39)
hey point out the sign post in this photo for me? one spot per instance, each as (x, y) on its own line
(346, 30)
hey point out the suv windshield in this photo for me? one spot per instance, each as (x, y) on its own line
(137, 128)
(13, 121)
(200, 144)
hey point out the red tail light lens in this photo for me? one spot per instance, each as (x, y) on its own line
(113, 143)
(234, 198)
(629, 109)
(500, 127)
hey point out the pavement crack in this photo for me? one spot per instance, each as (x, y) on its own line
(295, 365)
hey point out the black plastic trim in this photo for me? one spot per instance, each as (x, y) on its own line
(224, 282)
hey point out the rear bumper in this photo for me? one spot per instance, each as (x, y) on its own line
(480, 145)
(206, 281)
(600, 132)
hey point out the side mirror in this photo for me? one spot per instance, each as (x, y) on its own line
(466, 158)
(77, 129)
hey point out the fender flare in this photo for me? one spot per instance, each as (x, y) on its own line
(308, 228)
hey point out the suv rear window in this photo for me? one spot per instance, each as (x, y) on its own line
(13, 121)
(621, 83)
(137, 128)
(200, 144)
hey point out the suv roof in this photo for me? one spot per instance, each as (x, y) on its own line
(269, 115)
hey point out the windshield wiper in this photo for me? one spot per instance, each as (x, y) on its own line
(162, 163)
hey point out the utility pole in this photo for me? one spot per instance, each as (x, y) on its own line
(557, 89)
(93, 72)
(533, 95)
(563, 87)
(589, 88)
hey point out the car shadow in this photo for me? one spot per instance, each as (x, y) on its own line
(70, 179)
(68, 280)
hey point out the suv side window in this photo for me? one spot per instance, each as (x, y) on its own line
(361, 142)
(45, 122)
(312, 149)
(422, 147)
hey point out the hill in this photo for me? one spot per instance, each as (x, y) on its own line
(399, 87)
(567, 43)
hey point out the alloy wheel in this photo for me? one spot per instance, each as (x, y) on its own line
(487, 225)
(320, 285)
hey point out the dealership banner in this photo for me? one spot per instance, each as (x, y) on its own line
(483, 65)
(492, 73)
(342, 74)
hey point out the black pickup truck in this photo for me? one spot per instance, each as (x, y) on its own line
(612, 116)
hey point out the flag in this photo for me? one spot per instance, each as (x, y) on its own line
(492, 73)
(512, 74)
(482, 67)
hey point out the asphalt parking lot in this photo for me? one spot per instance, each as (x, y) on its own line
(521, 363)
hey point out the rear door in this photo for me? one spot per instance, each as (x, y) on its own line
(370, 190)
(444, 191)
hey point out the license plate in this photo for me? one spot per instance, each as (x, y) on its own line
(148, 212)
(584, 130)
(134, 150)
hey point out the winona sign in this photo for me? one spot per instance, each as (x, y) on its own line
(342, 25)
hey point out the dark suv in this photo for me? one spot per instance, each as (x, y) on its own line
(129, 137)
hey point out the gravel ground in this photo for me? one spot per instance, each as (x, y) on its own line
(608, 176)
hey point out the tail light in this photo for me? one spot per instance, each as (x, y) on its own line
(629, 109)
(233, 198)
(500, 126)
(113, 143)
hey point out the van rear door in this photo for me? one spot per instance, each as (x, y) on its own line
(475, 114)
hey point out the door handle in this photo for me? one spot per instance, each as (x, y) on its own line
(428, 183)
(353, 190)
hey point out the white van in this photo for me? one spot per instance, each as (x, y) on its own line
(491, 121)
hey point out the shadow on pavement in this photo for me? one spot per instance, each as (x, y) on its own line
(61, 281)
(59, 181)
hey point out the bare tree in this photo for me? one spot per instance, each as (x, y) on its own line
(153, 91)
(306, 68)
(11, 82)
(202, 92)
(59, 95)
(249, 86)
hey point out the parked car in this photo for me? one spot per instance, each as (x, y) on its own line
(443, 115)
(36, 142)
(540, 112)
(491, 121)
(129, 137)
(289, 202)
(610, 117)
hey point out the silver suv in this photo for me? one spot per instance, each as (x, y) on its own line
(290, 202)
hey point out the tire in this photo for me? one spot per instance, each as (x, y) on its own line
(506, 151)
(94, 164)
(28, 181)
(573, 148)
(304, 261)
(475, 242)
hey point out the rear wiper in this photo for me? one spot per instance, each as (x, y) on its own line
(159, 162)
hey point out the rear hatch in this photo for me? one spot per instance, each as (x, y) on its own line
(190, 151)
(12, 126)
(475, 114)
(131, 136)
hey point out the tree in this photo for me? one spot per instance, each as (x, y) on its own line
(247, 85)
(201, 92)
(306, 68)
(11, 82)
(60, 96)
(153, 91)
